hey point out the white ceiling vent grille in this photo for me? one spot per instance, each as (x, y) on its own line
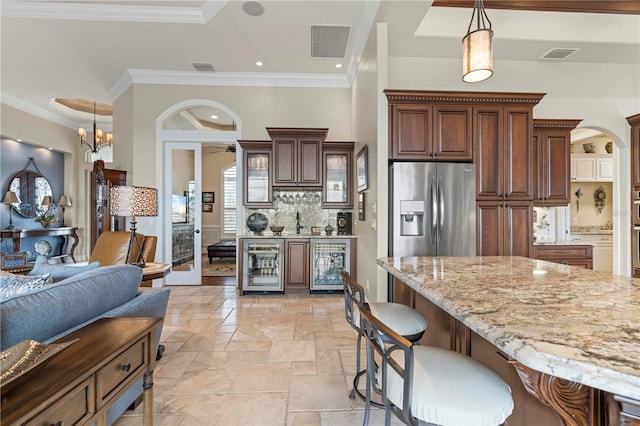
(203, 66)
(329, 41)
(559, 53)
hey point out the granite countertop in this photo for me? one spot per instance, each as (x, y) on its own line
(572, 323)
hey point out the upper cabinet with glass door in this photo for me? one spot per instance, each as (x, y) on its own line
(257, 182)
(337, 188)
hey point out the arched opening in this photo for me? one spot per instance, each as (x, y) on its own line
(197, 138)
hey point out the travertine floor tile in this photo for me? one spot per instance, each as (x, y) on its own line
(258, 359)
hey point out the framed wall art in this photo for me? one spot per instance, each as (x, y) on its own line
(208, 197)
(362, 168)
(207, 207)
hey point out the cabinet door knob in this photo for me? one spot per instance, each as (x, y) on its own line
(197, 231)
(126, 367)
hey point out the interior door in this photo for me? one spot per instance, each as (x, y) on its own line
(182, 165)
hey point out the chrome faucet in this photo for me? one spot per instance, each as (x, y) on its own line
(298, 226)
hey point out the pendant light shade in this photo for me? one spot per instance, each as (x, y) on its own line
(477, 48)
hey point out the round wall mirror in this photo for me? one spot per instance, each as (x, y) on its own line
(31, 187)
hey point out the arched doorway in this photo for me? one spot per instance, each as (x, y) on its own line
(182, 130)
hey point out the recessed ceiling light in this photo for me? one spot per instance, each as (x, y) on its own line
(253, 8)
(215, 117)
(259, 63)
(338, 65)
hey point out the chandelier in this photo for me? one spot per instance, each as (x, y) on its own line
(101, 139)
(477, 51)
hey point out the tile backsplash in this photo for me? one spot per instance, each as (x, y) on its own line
(306, 203)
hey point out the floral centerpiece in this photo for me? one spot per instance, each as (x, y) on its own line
(46, 219)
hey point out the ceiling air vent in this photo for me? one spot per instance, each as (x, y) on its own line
(203, 66)
(559, 53)
(329, 41)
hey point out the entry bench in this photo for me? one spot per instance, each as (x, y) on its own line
(222, 249)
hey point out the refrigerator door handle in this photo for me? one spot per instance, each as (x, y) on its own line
(434, 212)
(441, 210)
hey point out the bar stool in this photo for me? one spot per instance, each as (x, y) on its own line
(431, 385)
(404, 320)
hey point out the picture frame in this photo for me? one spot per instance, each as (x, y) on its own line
(207, 207)
(208, 197)
(361, 206)
(362, 169)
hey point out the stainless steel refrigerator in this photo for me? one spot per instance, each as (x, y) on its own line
(433, 209)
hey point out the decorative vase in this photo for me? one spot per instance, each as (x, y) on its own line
(328, 229)
(609, 147)
(46, 224)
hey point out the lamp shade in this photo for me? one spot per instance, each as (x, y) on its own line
(477, 56)
(65, 201)
(133, 201)
(11, 197)
(46, 200)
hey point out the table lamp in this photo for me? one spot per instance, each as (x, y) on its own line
(46, 201)
(64, 201)
(11, 198)
(133, 201)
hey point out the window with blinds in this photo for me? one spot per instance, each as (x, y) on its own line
(229, 205)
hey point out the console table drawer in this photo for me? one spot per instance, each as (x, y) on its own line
(76, 407)
(116, 373)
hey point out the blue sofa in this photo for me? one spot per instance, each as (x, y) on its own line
(51, 312)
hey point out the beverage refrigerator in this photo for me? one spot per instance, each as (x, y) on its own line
(262, 264)
(329, 258)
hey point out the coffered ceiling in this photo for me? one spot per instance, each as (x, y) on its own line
(95, 49)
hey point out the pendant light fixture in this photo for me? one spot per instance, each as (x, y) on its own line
(100, 139)
(477, 50)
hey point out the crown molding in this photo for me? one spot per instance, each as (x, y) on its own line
(140, 76)
(111, 12)
(38, 112)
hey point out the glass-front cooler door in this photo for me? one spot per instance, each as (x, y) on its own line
(263, 264)
(330, 258)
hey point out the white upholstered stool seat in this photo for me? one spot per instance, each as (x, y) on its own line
(400, 318)
(449, 388)
(444, 387)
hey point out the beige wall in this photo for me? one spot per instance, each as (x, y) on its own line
(257, 107)
(365, 127)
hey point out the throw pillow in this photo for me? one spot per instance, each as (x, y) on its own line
(60, 271)
(12, 284)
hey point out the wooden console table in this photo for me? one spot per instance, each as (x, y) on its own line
(67, 232)
(78, 384)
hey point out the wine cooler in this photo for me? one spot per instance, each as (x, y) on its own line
(329, 258)
(262, 264)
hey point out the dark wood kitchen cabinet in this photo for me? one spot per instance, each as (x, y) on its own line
(425, 132)
(504, 145)
(552, 161)
(256, 180)
(297, 156)
(504, 228)
(581, 256)
(634, 122)
(337, 163)
(296, 264)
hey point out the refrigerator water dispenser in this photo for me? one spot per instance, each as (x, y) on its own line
(411, 218)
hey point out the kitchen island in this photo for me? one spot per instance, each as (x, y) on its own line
(573, 335)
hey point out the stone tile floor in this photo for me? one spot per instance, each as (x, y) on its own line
(254, 360)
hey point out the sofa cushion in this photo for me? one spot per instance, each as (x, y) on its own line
(60, 271)
(12, 284)
(46, 312)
